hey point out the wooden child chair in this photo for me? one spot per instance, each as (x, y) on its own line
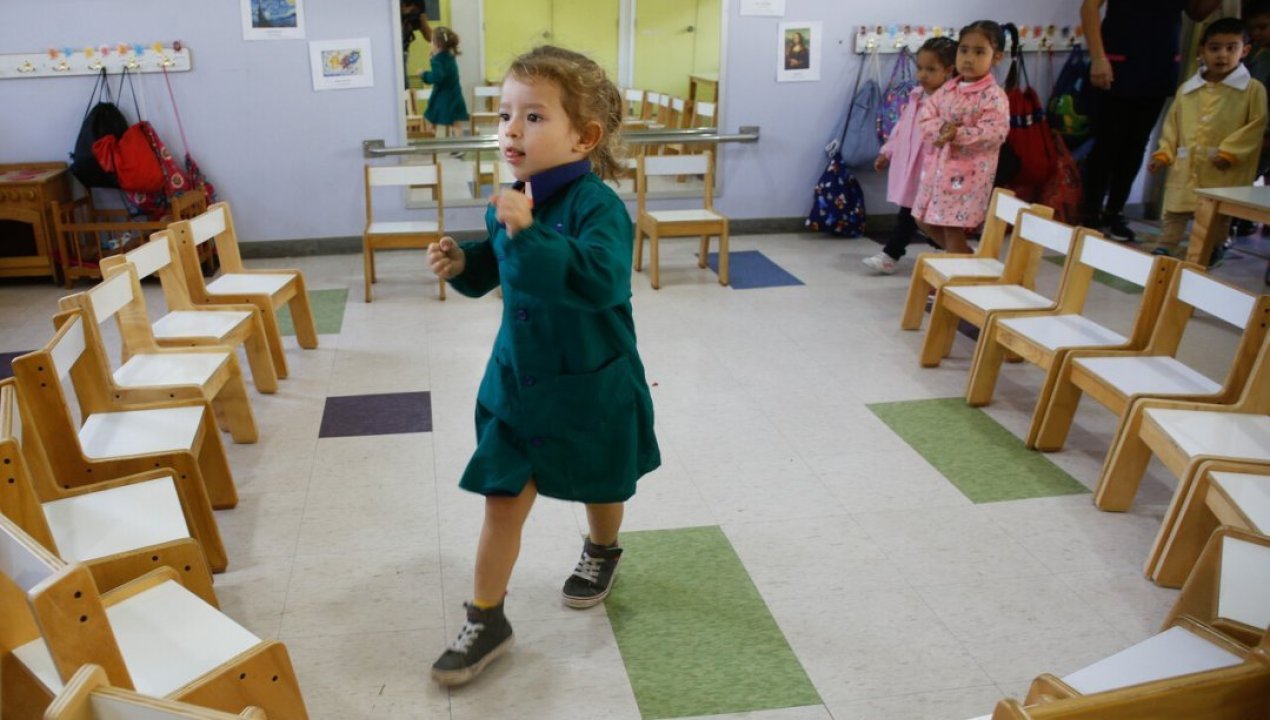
(268, 290)
(656, 224)
(417, 234)
(484, 113)
(89, 696)
(188, 325)
(1045, 337)
(151, 635)
(977, 300)
(1184, 434)
(933, 270)
(115, 441)
(1115, 378)
(153, 374)
(120, 529)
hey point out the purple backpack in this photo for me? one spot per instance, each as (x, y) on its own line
(897, 94)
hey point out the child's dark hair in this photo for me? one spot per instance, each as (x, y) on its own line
(587, 95)
(447, 39)
(993, 31)
(943, 48)
(1225, 26)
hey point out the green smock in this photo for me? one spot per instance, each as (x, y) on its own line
(564, 400)
(445, 105)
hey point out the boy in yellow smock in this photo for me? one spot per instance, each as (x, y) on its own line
(1212, 134)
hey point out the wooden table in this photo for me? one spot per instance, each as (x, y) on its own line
(1213, 213)
(26, 191)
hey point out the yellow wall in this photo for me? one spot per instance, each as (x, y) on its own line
(666, 52)
(516, 26)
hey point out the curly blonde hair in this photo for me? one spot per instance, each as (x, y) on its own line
(587, 95)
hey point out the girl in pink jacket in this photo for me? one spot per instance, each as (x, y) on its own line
(905, 150)
(967, 122)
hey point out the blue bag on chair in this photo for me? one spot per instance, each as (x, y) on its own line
(860, 142)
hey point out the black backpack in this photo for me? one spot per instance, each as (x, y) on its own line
(100, 119)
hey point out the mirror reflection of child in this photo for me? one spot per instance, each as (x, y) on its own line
(446, 105)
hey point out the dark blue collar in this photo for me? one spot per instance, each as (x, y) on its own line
(548, 182)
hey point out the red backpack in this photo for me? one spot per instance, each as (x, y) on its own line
(1030, 139)
(131, 159)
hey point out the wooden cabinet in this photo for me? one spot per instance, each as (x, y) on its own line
(27, 247)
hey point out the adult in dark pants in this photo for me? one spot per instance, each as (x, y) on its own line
(1134, 52)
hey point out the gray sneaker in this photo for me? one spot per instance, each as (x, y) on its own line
(485, 636)
(593, 578)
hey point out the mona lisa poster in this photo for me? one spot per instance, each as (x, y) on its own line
(798, 52)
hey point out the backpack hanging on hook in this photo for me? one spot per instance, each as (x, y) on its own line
(1030, 139)
(102, 118)
(131, 156)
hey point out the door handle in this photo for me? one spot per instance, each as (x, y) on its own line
(690, 28)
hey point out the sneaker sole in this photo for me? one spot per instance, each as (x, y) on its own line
(582, 603)
(451, 678)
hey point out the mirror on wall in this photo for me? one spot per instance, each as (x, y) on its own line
(666, 52)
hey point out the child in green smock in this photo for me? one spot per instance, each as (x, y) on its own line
(446, 105)
(564, 409)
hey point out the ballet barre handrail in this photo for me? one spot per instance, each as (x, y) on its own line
(378, 149)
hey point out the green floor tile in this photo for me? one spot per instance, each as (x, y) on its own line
(986, 462)
(696, 637)
(1107, 279)
(328, 312)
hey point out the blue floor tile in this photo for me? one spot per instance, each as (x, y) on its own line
(751, 269)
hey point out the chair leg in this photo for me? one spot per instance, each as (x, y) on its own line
(368, 271)
(1043, 400)
(1125, 465)
(217, 476)
(197, 506)
(302, 316)
(235, 407)
(273, 336)
(1058, 413)
(263, 677)
(654, 259)
(1186, 528)
(915, 303)
(724, 257)
(263, 373)
(639, 248)
(703, 251)
(943, 323)
(985, 368)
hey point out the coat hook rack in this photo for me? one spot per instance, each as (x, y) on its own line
(894, 38)
(68, 61)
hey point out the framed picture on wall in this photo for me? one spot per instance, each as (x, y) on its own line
(273, 19)
(341, 64)
(798, 51)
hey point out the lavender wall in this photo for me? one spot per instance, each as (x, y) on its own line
(289, 158)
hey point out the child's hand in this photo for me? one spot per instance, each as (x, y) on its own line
(446, 259)
(514, 210)
(881, 163)
(946, 135)
(1221, 162)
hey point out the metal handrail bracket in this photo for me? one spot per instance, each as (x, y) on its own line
(378, 149)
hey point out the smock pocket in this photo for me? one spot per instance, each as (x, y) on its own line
(595, 401)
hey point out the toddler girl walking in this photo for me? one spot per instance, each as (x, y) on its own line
(966, 121)
(564, 409)
(446, 106)
(906, 149)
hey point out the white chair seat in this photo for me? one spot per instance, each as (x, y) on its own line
(401, 228)
(1000, 297)
(1250, 492)
(701, 215)
(169, 369)
(1151, 375)
(36, 658)
(138, 432)
(1060, 331)
(249, 283)
(168, 636)
(198, 323)
(966, 267)
(1172, 653)
(121, 519)
(1224, 434)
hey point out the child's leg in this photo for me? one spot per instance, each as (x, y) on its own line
(901, 234)
(593, 578)
(604, 520)
(500, 544)
(934, 232)
(1172, 230)
(954, 240)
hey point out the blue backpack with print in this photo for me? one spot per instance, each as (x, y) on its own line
(897, 94)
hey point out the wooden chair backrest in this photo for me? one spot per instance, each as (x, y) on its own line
(156, 257)
(24, 565)
(679, 114)
(188, 204)
(404, 176)
(118, 296)
(1229, 587)
(1034, 233)
(654, 165)
(703, 114)
(1003, 213)
(485, 97)
(89, 696)
(652, 105)
(633, 99)
(19, 497)
(1149, 272)
(215, 225)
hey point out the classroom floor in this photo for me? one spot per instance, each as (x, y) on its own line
(795, 558)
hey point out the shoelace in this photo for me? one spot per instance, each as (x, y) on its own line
(589, 568)
(467, 636)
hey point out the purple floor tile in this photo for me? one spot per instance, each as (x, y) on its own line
(386, 414)
(6, 363)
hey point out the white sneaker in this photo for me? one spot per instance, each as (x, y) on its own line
(881, 263)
